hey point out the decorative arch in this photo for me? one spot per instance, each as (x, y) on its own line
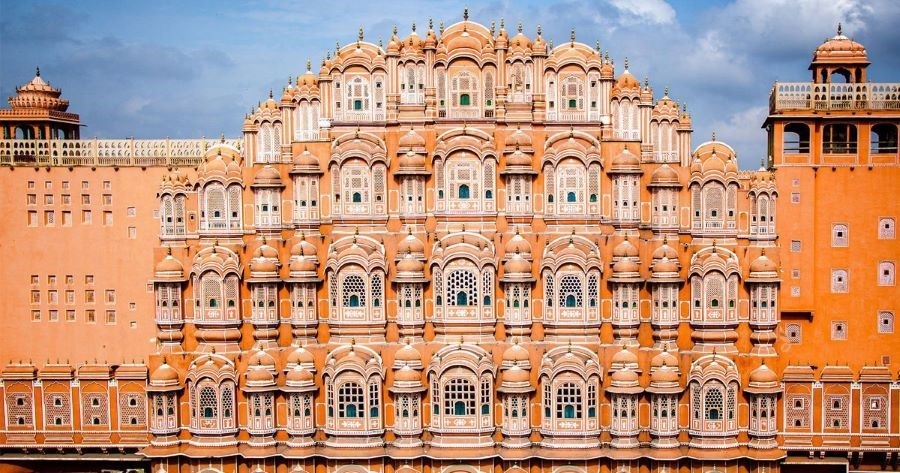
(353, 378)
(462, 378)
(714, 384)
(571, 268)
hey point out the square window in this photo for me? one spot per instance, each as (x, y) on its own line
(66, 218)
(885, 322)
(48, 185)
(110, 316)
(107, 185)
(31, 199)
(132, 306)
(54, 315)
(35, 297)
(35, 279)
(886, 228)
(70, 296)
(107, 199)
(795, 246)
(65, 184)
(132, 233)
(67, 199)
(86, 217)
(795, 197)
(85, 199)
(89, 296)
(795, 273)
(85, 185)
(793, 333)
(795, 291)
(89, 279)
(107, 218)
(52, 297)
(795, 182)
(48, 199)
(131, 212)
(32, 218)
(35, 316)
(110, 296)
(839, 330)
(70, 279)
(31, 184)
(70, 315)
(90, 316)
(49, 218)
(51, 279)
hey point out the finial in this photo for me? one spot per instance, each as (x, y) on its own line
(684, 107)
(572, 35)
(359, 36)
(666, 91)
(395, 30)
(626, 63)
(441, 27)
(380, 44)
(714, 135)
(520, 27)
(466, 13)
(290, 79)
(539, 29)
(37, 70)
(606, 56)
(327, 56)
(597, 46)
(550, 43)
(337, 47)
(308, 65)
(646, 81)
(414, 27)
(492, 28)
(168, 251)
(840, 31)
(270, 94)
(430, 24)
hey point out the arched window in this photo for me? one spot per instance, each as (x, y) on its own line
(459, 397)
(796, 138)
(839, 138)
(462, 287)
(354, 291)
(464, 191)
(351, 400)
(465, 100)
(884, 138)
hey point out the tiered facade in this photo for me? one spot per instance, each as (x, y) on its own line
(459, 252)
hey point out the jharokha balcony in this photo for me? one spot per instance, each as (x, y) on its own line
(834, 96)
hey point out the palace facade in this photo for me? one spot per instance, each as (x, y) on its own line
(464, 251)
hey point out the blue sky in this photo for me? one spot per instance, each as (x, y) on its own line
(155, 69)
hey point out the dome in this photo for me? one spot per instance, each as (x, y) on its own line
(308, 79)
(38, 94)
(625, 266)
(516, 354)
(412, 161)
(627, 80)
(515, 374)
(267, 176)
(407, 374)
(303, 248)
(763, 264)
(664, 358)
(626, 161)
(517, 265)
(624, 357)
(169, 267)
(664, 175)
(665, 265)
(625, 250)
(624, 376)
(262, 265)
(518, 158)
(301, 356)
(518, 139)
(407, 354)
(410, 264)
(305, 160)
(464, 41)
(665, 251)
(665, 374)
(259, 376)
(353, 250)
(411, 244)
(839, 48)
(262, 359)
(763, 375)
(265, 251)
(299, 375)
(165, 374)
(517, 244)
(412, 139)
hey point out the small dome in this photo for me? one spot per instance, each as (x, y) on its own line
(169, 266)
(664, 175)
(262, 359)
(267, 176)
(839, 48)
(665, 251)
(164, 374)
(516, 354)
(624, 376)
(301, 356)
(665, 265)
(262, 265)
(515, 374)
(410, 264)
(308, 79)
(627, 80)
(306, 159)
(411, 161)
(625, 266)
(408, 354)
(303, 248)
(411, 244)
(763, 374)
(412, 139)
(763, 264)
(624, 357)
(518, 139)
(665, 374)
(259, 376)
(517, 265)
(517, 244)
(265, 251)
(625, 250)
(626, 161)
(407, 374)
(299, 375)
(665, 358)
(518, 158)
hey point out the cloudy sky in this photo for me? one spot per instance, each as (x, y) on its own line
(152, 69)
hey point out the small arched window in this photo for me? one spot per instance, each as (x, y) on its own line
(464, 191)
(465, 100)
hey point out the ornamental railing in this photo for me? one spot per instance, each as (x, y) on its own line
(840, 96)
(97, 152)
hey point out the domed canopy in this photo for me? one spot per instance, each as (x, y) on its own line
(408, 354)
(411, 139)
(38, 94)
(625, 250)
(164, 375)
(623, 358)
(626, 162)
(299, 375)
(410, 264)
(516, 355)
(763, 264)
(627, 80)
(517, 244)
(301, 356)
(268, 176)
(259, 376)
(763, 381)
(840, 49)
(664, 176)
(170, 268)
(306, 163)
(411, 244)
(517, 265)
(515, 374)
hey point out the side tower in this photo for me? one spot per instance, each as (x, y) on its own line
(39, 113)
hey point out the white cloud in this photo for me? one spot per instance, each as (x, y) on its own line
(742, 131)
(644, 11)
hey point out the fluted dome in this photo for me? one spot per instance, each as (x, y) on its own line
(516, 354)
(664, 375)
(665, 251)
(410, 264)
(412, 139)
(518, 158)
(515, 374)
(299, 375)
(407, 374)
(164, 375)
(664, 358)
(763, 264)
(627, 80)
(664, 176)
(625, 250)
(624, 357)
(517, 244)
(268, 176)
(169, 268)
(258, 376)
(301, 356)
(38, 94)
(624, 377)
(763, 374)
(411, 244)
(516, 264)
(408, 354)
(626, 161)
(665, 265)
(518, 139)
(839, 48)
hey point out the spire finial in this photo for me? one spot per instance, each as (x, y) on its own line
(466, 13)
(290, 80)
(840, 31)
(502, 24)
(597, 45)
(430, 24)
(414, 27)
(270, 94)
(539, 29)
(493, 29)
(308, 65)
(395, 30)
(666, 91)
(37, 70)
(359, 36)
(337, 48)
(520, 27)
(572, 35)
(441, 27)
(626, 63)
(714, 135)
(646, 81)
